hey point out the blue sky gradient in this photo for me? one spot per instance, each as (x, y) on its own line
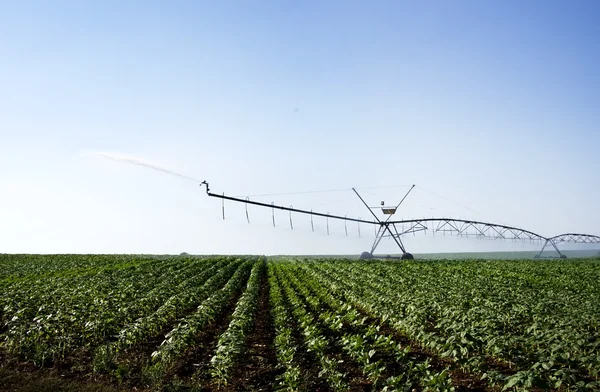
(493, 105)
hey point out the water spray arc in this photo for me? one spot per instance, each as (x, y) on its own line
(139, 162)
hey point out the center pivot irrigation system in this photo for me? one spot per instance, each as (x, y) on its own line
(395, 229)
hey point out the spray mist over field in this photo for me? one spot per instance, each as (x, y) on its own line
(139, 162)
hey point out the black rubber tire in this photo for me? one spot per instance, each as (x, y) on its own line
(407, 256)
(366, 256)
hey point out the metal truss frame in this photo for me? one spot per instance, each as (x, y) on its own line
(568, 238)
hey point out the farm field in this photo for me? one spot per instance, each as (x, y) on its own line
(243, 323)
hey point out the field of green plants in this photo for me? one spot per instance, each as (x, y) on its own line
(243, 323)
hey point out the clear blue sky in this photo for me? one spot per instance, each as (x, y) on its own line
(493, 105)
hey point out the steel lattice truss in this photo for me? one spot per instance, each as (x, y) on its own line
(444, 226)
(576, 238)
(465, 228)
(480, 230)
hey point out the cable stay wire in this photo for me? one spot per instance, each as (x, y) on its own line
(445, 198)
(322, 191)
(381, 195)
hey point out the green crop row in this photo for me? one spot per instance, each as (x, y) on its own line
(231, 342)
(338, 324)
(515, 329)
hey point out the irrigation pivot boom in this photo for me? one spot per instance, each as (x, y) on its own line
(395, 229)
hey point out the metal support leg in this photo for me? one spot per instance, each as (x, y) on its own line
(378, 238)
(558, 251)
(399, 240)
(381, 232)
(551, 242)
(543, 247)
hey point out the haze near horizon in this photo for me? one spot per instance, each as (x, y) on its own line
(490, 108)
